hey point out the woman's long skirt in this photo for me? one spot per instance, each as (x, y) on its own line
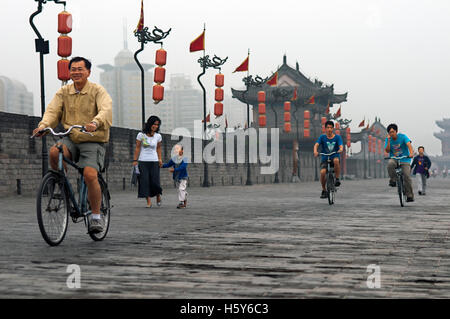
(148, 180)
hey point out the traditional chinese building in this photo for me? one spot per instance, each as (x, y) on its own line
(292, 82)
(443, 162)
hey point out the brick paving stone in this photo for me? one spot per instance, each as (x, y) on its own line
(262, 241)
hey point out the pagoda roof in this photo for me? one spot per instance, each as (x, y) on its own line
(288, 80)
(444, 123)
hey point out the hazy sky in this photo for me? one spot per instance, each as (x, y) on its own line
(392, 57)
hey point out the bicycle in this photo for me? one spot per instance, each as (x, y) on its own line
(399, 179)
(56, 199)
(330, 179)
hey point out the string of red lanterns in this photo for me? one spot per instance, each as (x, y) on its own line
(262, 109)
(287, 116)
(306, 123)
(159, 75)
(218, 106)
(64, 45)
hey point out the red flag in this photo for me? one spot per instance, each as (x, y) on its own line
(273, 81)
(226, 122)
(295, 96)
(198, 44)
(312, 100)
(338, 113)
(243, 67)
(367, 127)
(362, 123)
(208, 118)
(140, 25)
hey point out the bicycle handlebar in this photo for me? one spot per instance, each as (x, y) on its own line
(329, 154)
(62, 134)
(396, 158)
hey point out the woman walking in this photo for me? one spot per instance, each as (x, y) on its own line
(147, 156)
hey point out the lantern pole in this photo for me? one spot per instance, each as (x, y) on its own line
(42, 46)
(205, 63)
(144, 36)
(250, 82)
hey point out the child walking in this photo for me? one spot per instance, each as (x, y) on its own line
(178, 166)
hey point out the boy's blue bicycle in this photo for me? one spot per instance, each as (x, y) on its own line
(330, 179)
(399, 178)
(56, 199)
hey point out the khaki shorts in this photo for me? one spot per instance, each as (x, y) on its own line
(86, 154)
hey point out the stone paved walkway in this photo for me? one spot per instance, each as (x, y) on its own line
(263, 241)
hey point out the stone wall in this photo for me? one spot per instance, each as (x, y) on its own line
(21, 160)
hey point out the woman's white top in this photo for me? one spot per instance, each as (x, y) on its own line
(148, 147)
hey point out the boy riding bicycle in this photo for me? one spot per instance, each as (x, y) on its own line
(398, 145)
(329, 143)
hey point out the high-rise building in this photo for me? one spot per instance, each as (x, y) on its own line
(14, 97)
(123, 83)
(182, 105)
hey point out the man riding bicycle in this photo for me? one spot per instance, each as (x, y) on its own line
(329, 143)
(88, 104)
(398, 145)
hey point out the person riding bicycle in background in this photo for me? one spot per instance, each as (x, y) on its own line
(329, 143)
(398, 145)
(421, 166)
(88, 104)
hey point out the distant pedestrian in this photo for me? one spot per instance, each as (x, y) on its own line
(178, 166)
(147, 156)
(421, 168)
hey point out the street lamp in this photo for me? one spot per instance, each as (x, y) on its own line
(42, 46)
(143, 37)
(250, 82)
(205, 62)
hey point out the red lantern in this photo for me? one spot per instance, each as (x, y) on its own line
(64, 22)
(220, 80)
(348, 130)
(261, 97)
(160, 75)
(306, 124)
(287, 116)
(306, 115)
(218, 109)
(349, 143)
(287, 106)
(262, 121)
(219, 94)
(158, 93)
(64, 46)
(161, 57)
(323, 120)
(306, 133)
(63, 70)
(323, 128)
(370, 143)
(287, 127)
(262, 108)
(337, 126)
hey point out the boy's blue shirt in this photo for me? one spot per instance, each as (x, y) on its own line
(180, 171)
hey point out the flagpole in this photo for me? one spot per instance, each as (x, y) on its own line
(249, 180)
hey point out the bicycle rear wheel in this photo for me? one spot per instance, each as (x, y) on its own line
(400, 190)
(330, 189)
(105, 211)
(52, 209)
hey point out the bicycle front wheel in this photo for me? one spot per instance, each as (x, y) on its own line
(52, 209)
(400, 190)
(330, 189)
(105, 211)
